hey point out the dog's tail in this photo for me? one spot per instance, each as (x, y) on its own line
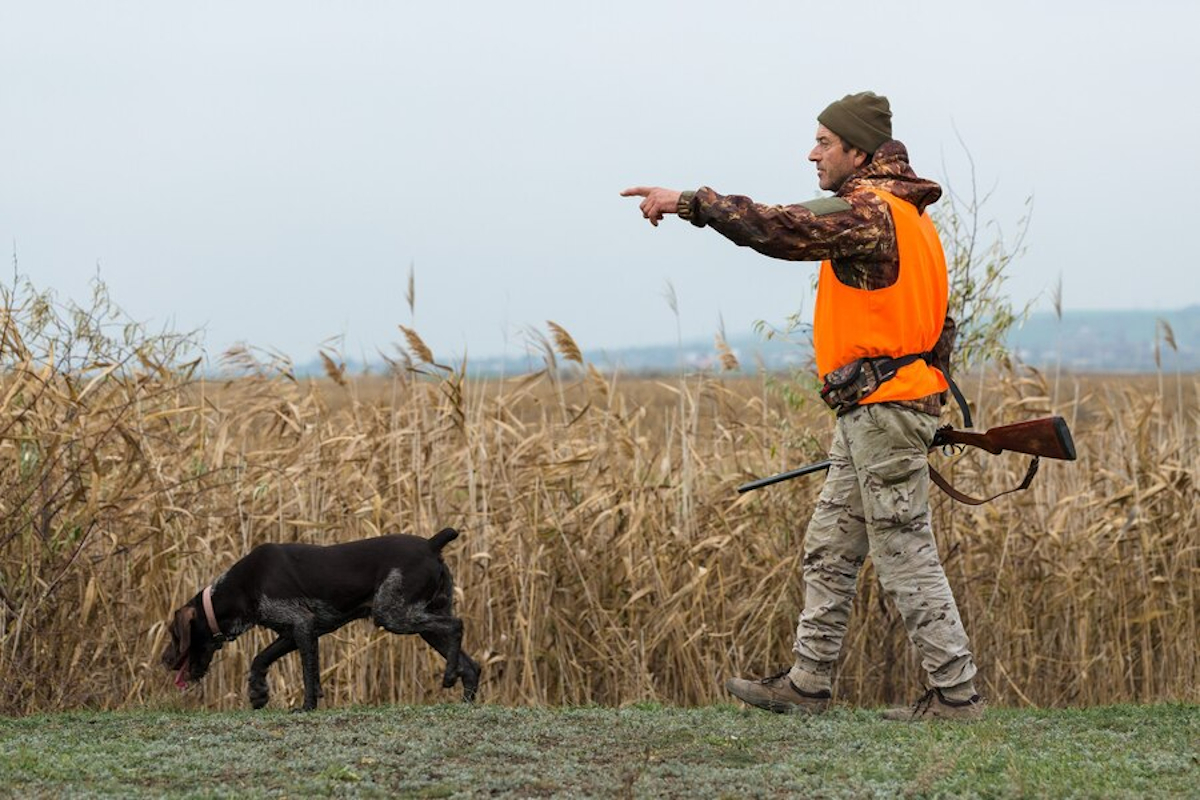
(442, 538)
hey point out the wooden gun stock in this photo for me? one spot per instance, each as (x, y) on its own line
(1049, 437)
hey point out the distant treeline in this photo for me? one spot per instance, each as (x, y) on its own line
(1082, 341)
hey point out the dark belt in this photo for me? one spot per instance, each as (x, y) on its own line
(847, 386)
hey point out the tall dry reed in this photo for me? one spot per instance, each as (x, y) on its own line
(605, 557)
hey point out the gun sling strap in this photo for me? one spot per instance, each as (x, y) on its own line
(945, 486)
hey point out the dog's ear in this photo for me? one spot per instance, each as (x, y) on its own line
(181, 629)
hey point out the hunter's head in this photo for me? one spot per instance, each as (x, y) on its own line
(849, 131)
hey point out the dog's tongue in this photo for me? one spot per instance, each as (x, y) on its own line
(180, 680)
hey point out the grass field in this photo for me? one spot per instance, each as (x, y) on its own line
(638, 751)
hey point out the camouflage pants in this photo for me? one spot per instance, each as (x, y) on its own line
(876, 501)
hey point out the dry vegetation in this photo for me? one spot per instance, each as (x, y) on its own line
(606, 557)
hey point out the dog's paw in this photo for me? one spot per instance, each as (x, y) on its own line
(259, 694)
(470, 681)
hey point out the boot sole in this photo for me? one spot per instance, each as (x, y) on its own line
(779, 707)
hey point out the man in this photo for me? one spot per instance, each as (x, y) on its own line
(880, 326)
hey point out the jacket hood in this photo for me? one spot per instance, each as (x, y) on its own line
(890, 171)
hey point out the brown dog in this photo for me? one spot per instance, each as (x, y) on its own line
(304, 591)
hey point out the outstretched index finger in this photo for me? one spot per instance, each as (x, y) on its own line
(638, 191)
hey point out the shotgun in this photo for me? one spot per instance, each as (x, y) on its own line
(1049, 437)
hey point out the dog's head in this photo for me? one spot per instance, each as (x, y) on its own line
(192, 644)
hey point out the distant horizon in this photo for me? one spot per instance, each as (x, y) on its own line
(688, 337)
(1124, 348)
(695, 338)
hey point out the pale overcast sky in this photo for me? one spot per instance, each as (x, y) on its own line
(268, 171)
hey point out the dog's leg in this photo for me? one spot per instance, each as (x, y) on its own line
(445, 636)
(259, 693)
(447, 640)
(293, 620)
(442, 631)
(306, 643)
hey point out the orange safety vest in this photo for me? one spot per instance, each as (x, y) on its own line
(904, 318)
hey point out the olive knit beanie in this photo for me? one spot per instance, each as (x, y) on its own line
(864, 120)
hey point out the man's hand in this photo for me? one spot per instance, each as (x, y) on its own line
(658, 201)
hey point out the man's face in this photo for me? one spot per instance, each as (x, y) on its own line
(834, 163)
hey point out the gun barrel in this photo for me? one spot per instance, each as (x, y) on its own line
(783, 476)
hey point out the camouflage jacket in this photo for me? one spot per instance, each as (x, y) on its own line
(853, 229)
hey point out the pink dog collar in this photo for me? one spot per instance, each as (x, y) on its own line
(206, 599)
